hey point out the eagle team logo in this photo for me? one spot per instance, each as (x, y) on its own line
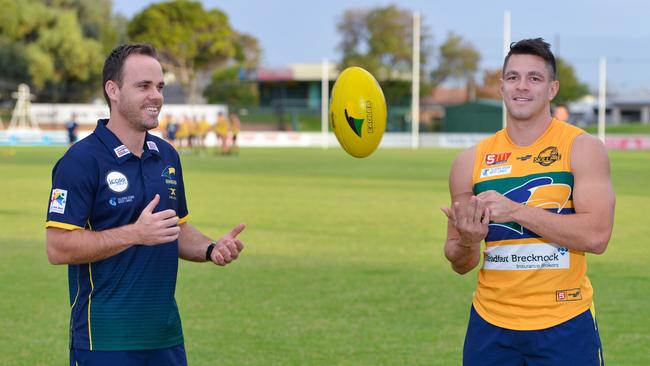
(355, 123)
(539, 192)
(169, 173)
(548, 156)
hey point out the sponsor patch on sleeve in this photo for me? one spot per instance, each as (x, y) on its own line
(58, 200)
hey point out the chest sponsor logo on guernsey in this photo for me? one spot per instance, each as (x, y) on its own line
(496, 159)
(523, 257)
(57, 200)
(117, 182)
(497, 170)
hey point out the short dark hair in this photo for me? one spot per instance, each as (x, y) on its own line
(536, 47)
(115, 62)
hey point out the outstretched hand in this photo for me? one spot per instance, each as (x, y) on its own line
(156, 228)
(470, 219)
(228, 247)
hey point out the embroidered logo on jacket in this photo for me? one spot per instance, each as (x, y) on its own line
(169, 173)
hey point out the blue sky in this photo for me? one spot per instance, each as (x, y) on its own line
(295, 31)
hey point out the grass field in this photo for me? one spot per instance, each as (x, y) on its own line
(343, 264)
(623, 129)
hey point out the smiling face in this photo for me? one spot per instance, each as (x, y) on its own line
(528, 88)
(139, 99)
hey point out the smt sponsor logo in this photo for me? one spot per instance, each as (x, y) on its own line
(498, 158)
(499, 170)
(117, 182)
(573, 294)
(525, 257)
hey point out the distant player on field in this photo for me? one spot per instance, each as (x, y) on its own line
(539, 193)
(221, 128)
(71, 127)
(118, 217)
(235, 128)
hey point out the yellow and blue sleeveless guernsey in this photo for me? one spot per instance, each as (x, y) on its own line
(125, 302)
(527, 283)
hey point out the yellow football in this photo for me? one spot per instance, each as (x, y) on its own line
(358, 112)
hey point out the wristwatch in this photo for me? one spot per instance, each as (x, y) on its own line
(208, 252)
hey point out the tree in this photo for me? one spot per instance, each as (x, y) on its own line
(457, 59)
(570, 87)
(381, 41)
(248, 53)
(45, 44)
(490, 87)
(191, 41)
(232, 85)
(228, 87)
(95, 24)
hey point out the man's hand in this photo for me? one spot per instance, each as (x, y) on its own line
(156, 228)
(502, 209)
(470, 220)
(228, 247)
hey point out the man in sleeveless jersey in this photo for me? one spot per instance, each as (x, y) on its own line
(539, 194)
(118, 217)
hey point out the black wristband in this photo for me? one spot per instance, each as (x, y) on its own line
(208, 252)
